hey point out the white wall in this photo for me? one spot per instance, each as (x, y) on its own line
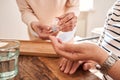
(96, 18)
(11, 26)
(81, 24)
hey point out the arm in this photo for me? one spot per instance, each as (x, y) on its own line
(68, 21)
(85, 51)
(114, 72)
(27, 14)
(29, 18)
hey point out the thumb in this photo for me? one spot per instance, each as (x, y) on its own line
(41, 26)
(53, 40)
(57, 43)
(89, 64)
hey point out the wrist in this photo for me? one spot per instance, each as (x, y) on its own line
(101, 55)
(32, 25)
(32, 29)
(103, 58)
(108, 63)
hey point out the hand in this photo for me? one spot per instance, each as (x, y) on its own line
(89, 64)
(70, 67)
(42, 30)
(67, 22)
(81, 51)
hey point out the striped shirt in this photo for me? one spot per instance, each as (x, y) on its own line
(110, 39)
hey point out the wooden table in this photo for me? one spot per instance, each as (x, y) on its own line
(41, 68)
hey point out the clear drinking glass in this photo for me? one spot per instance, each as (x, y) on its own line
(9, 52)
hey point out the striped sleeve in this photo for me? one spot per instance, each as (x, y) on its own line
(110, 39)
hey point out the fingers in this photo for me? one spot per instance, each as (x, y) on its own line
(55, 42)
(37, 25)
(60, 41)
(75, 67)
(89, 64)
(41, 30)
(44, 36)
(67, 22)
(69, 26)
(73, 52)
(67, 46)
(65, 18)
(43, 33)
(63, 64)
(68, 66)
(64, 50)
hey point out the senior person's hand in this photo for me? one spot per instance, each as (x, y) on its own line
(81, 51)
(42, 30)
(70, 67)
(67, 22)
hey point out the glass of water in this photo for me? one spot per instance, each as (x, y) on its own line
(9, 52)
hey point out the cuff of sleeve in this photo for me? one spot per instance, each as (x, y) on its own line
(28, 18)
(32, 31)
(33, 18)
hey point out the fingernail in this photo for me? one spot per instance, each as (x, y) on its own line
(80, 62)
(71, 73)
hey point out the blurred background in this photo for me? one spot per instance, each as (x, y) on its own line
(90, 21)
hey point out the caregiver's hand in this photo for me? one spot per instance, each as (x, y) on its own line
(81, 51)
